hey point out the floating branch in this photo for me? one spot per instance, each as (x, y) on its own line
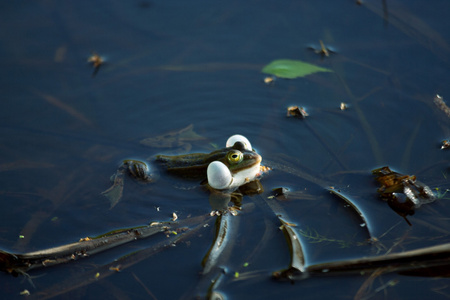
(21, 263)
(429, 261)
(297, 265)
(297, 257)
(83, 279)
(225, 227)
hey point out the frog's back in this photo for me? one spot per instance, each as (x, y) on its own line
(191, 166)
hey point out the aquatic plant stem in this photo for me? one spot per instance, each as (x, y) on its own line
(365, 124)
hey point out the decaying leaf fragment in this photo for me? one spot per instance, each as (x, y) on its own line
(440, 103)
(393, 183)
(296, 111)
(280, 193)
(402, 192)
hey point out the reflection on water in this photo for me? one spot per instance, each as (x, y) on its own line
(171, 64)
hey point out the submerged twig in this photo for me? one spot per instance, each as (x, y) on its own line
(282, 164)
(413, 26)
(21, 263)
(64, 107)
(429, 261)
(362, 118)
(217, 255)
(126, 261)
(144, 286)
(325, 144)
(364, 291)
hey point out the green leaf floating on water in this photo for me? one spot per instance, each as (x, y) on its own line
(288, 68)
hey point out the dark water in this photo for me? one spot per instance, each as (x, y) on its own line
(174, 63)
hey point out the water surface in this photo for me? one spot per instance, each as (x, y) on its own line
(174, 63)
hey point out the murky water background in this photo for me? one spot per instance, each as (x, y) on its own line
(174, 63)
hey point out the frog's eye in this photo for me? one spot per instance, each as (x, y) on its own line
(234, 157)
(239, 138)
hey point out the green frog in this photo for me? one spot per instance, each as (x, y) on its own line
(222, 171)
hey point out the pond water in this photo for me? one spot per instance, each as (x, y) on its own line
(169, 64)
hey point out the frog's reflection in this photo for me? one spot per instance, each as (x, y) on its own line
(224, 201)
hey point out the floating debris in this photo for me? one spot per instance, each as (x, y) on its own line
(393, 182)
(343, 106)
(96, 61)
(298, 112)
(269, 80)
(445, 144)
(280, 193)
(174, 217)
(440, 103)
(116, 269)
(323, 50)
(403, 193)
(234, 210)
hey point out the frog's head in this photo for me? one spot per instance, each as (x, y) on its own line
(239, 165)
